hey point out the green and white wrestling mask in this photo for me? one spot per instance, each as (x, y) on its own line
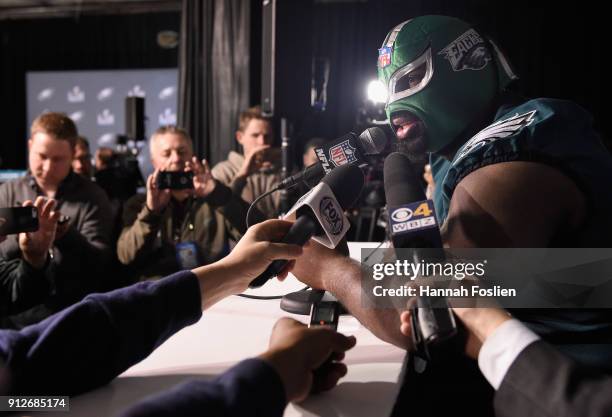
(441, 75)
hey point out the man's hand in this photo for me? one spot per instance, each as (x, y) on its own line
(480, 322)
(253, 162)
(35, 245)
(307, 360)
(203, 181)
(251, 256)
(157, 199)
(258, 248)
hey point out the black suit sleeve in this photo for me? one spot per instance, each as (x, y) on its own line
(251, 388)
(93, 341)
(542, 382)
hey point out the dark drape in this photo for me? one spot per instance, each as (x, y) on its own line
(195, 72)
(213, 73)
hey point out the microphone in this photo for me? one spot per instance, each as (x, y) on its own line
(320, 214)
(287, 165)
(413, 225)
(285, 149)
(348, 149)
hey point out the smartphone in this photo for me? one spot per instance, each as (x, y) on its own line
(325, 313)
(175, 180)
(15, 220)
(272, 155)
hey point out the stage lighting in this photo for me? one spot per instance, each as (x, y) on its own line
(377, 92)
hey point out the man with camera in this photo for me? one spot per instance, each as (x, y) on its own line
(186, 217)
(255, 171)
(82, 240)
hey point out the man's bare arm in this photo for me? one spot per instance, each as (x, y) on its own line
(324, 268)
(513, 204)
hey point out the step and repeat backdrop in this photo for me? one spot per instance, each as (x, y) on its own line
(95, 100)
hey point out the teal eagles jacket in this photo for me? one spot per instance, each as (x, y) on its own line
(560, 134)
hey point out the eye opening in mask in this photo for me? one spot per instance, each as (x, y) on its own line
(411, 78)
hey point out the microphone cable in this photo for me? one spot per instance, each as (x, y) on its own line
(269, 297)
(254, 203)
(248, 222)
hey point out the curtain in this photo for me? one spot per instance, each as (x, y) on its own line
(231, 57)
(213, 73)
(194, 75)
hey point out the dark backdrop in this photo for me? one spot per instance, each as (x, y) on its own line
(88, 42)
(559, 49)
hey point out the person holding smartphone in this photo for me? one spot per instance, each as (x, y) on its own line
(185, 219)
(82, 247)
(255, 171)
(25, 282)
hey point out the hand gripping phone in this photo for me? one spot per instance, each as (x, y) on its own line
(15, 220)
(175, 180)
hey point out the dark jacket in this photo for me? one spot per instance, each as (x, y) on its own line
(542, 382)
(148, 240)
(22, 286)
(90, 343)
(84, 251)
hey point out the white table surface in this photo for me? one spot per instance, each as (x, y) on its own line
(237, 328)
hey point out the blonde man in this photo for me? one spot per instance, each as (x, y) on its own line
(255, 171)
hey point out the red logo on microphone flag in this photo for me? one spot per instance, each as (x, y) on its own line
(342, 153)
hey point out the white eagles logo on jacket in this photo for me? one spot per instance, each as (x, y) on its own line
(498, 130)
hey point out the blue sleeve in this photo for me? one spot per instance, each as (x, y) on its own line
(93, 341)
(251, 388)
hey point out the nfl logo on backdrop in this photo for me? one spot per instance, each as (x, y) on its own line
(384, 56)
(342, 153)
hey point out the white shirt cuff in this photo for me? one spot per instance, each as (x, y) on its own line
(501, 349)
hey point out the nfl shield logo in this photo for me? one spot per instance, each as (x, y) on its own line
(342, 153)
(384, 57)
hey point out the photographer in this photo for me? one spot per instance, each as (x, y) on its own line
(184, 224)
(255, 171)
(83, 242)
(26, 282)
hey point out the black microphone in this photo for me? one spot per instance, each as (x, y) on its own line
(413, 225)
(287, 163)
(320, 212)
(348, 149)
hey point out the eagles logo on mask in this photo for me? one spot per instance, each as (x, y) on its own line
(441, 74)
